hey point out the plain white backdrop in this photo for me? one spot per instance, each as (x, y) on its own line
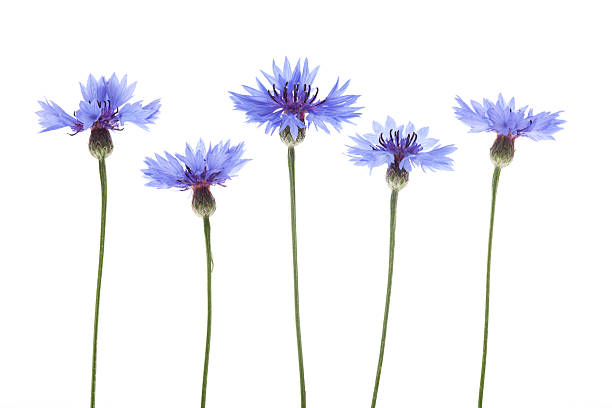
(551, 303)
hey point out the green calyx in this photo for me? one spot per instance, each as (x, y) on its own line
(502, 151)
(100, 143)
(287, 137)
(396, 178)
(203, 202)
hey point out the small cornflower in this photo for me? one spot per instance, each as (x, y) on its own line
(198, 169)
(104, 107)
(292, 101)
(509, 123)
(402, 148)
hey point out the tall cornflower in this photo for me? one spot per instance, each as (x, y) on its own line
(104, 108)
(290, 103)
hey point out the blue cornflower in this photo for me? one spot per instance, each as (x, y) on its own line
(401, 148)
(504, 119)
(509, 123)
(104, 106)
(198, 169)
(291, 101)
(201, 166)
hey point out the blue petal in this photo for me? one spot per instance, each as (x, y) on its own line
(52, 117)
(88, 113)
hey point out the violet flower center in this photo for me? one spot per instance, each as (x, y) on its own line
(398, 145)
(296, 100)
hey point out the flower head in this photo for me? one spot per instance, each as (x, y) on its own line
(198, 169)
(291, 101)
(509, 123)
(199, 166)
(402, 149)
(504, 119)
(400, 146)
(104, 106)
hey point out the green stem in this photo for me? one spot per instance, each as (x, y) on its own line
(494, 185)
(209, 308)
(388, 300)
(102, 168)
(296, 292)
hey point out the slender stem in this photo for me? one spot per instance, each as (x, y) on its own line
(494, 185)
(296, 292)
(388, 300)
(103, 186)
(209, 308)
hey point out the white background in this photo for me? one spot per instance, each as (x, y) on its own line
(551, 304)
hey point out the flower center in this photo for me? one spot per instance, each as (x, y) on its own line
(105, 107)
(513, 130)
(191, 178)
(398, 145)
(296, 99)
(195, 180)
(107, 115)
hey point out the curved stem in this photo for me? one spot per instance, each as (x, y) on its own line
(209, 308)
(296, 292)
(494, 185)
(388, 300)
(103, 186)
